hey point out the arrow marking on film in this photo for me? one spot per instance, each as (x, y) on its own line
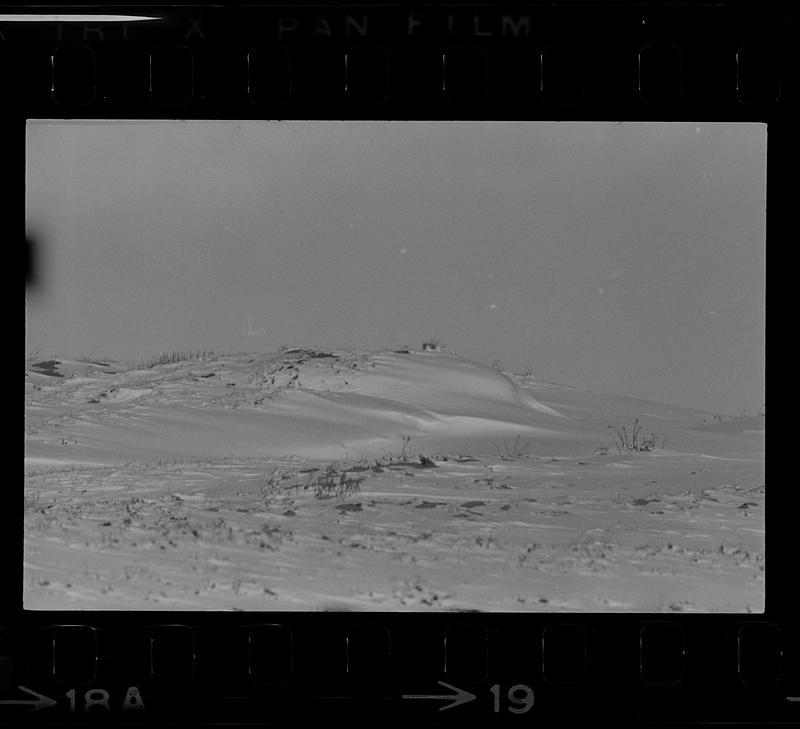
(40, 702)
(460, 697)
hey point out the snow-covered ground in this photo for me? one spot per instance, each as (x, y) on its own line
(311, 480)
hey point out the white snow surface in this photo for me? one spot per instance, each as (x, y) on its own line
(343, 479)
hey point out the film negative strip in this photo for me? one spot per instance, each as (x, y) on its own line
(398, 364)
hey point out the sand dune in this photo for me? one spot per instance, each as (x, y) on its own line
(381, 481)
(314, 406)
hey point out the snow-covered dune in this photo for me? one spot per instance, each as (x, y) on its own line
(305, 403)
(449, 384)
(310, 480)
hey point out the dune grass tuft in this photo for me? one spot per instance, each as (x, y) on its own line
(515, 450)
(633, 442)
(176, 356)
(432, 344)
(332, 483)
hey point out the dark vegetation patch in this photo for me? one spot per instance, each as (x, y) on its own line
(310, 353)
(349, 507)
(430, 504)
(423, 462)
(47, 367)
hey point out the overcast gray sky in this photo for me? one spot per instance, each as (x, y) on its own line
(628, 258)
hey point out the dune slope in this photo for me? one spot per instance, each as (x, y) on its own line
(316, 479)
